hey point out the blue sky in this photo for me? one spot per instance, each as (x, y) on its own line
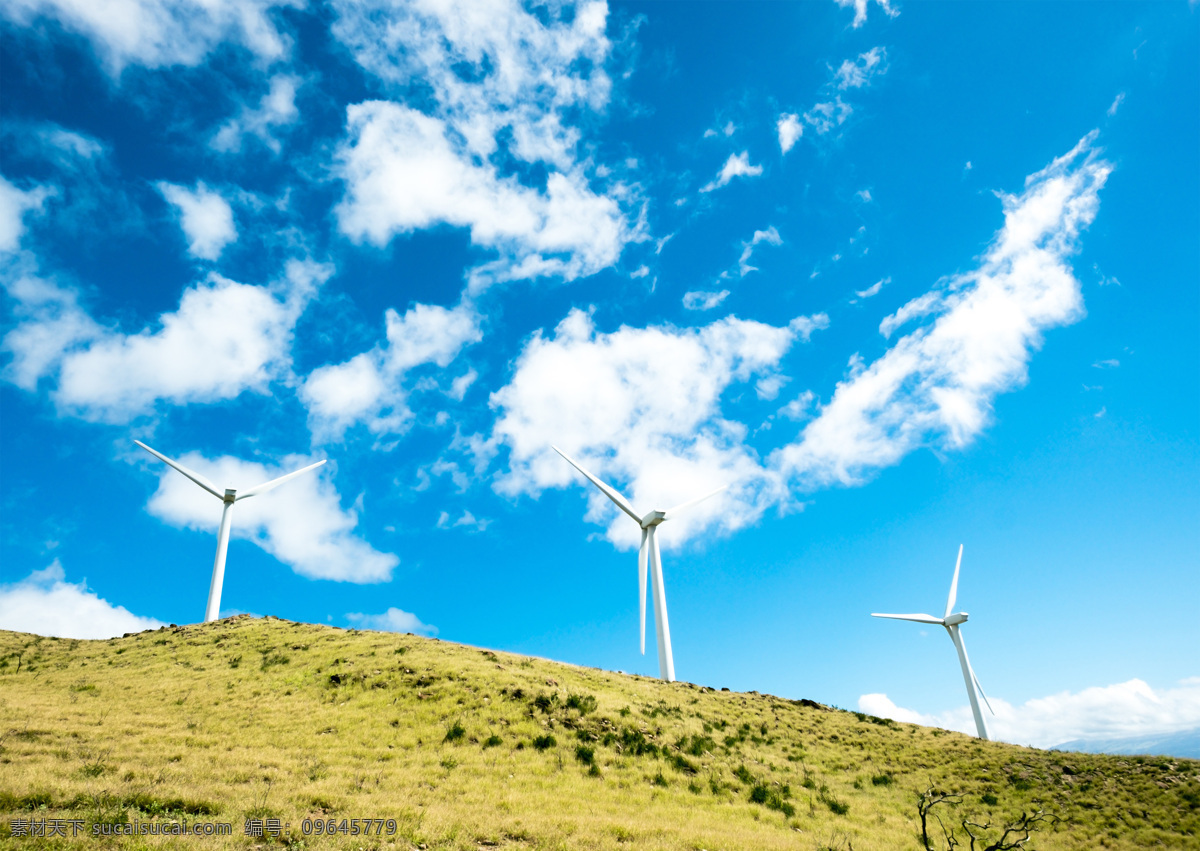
(903, 276)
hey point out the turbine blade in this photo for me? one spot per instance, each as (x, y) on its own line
(671, 512)
(954, 584)
(982, 693)
(191, 474)
(917, 618)
(643, 554)
(605, 489)
(274, 483)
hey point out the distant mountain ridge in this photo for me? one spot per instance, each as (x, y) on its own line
(1185, 743)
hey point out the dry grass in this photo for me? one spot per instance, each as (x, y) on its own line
(267, 718)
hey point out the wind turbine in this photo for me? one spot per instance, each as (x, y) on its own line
(951, 622)
(649, 548)
(229, 497)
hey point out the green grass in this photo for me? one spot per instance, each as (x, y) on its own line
(465, 748)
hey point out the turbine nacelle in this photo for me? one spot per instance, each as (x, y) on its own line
(955, 619)
(654, 518)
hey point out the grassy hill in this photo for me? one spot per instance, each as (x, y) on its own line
(464, 748)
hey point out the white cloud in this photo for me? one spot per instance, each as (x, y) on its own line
(14, 204)
(864, 195)
(699, 300)
(790, 130)
(827, 116)
(1116, 104)
(75, 146)
(276, 109)
(642, 407)
(936, 385)
(301, 523)
(1107, 363)
(224, 339)
(800, 408)
(769, 236)
(467, 520)
(859, 73)
(738, 165)
(1123, 710)
(490, 65)
(161, 33)
(504, 82)
(393, 620)
(206, 218)
(44, 603)
(728, 130)
(403, 172)
(769, 387)
(860, 10)
(872, 290)
(1103, 279)
(50, 326)
(369, 389)
(459, 386)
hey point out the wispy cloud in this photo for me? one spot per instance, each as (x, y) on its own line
(858, 73)
(466, 520)
(936, 384)
(870, 291)
(14, 204)
(701, 300)
(738, 165)
(769, 236)
(860, 10)
(276, 110)
(728, 130)
(828, 116)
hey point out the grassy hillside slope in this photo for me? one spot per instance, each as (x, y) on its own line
(465, 748)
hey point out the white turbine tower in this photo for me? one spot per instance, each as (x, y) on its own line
(229, 497)
(649, 549)
(951, 622)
